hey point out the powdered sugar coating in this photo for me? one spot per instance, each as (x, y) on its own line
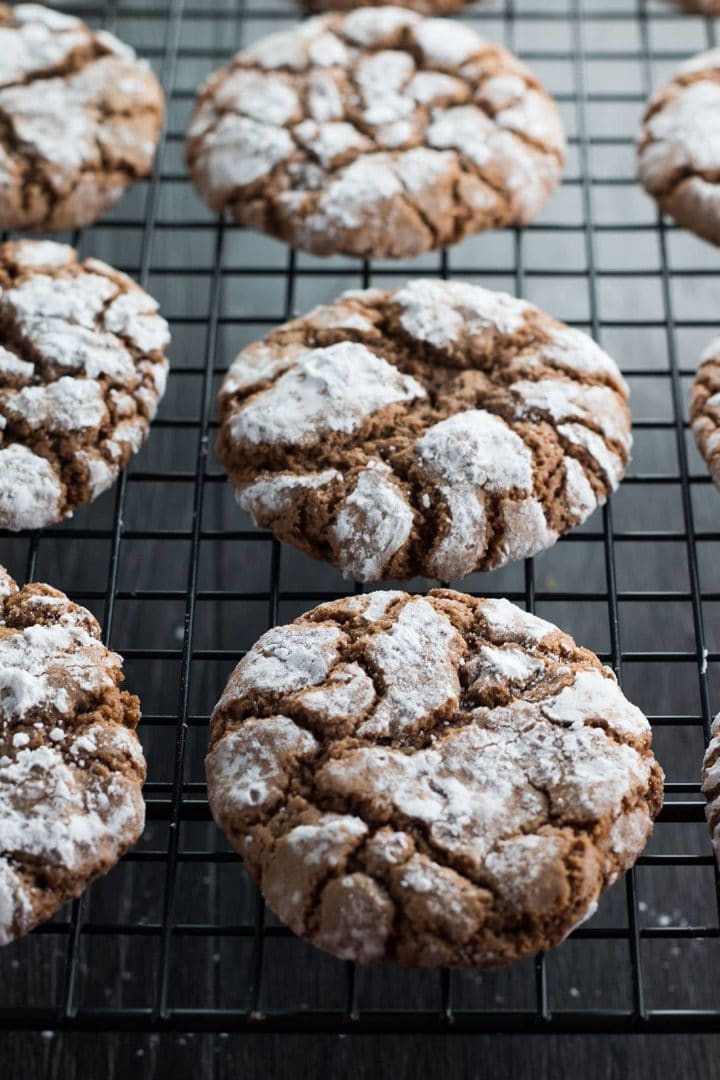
(705, 408)
(423, 431)
(679, 146)
(461, 769)
(82, 368)
(71, 767)
(83, 115)
(345, 134)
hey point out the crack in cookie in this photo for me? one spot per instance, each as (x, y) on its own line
(80, 118)
(376, 133)
(435, 780)
(436, 430)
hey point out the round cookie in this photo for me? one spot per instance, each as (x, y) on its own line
(82, 368)
(71, 765)
(379, 133)
(679, 146)
(81, 118)
(435, 780)
(436, 430)
(711, 785)
(705, 408)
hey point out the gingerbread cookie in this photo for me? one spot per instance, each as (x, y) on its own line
(71, 766)
(377, 133)
(705, 409)
(433, 780)
(679, 146)
(82, 368)
(436, 430)
(81, 117)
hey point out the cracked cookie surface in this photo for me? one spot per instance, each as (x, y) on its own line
(80, 118)
(71, 766)
(436, 430)
(379, 133)
(679, 146)
(82, 368)
(705, 409)
(434, 780)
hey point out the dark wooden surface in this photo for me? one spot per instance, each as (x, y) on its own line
(679, 971)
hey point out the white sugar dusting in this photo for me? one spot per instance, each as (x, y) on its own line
(418, 660)
(372, 524)
(443, 312)
(330, 389)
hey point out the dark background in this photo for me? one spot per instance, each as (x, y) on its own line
(174, 940)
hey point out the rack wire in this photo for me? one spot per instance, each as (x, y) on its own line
(176, 937)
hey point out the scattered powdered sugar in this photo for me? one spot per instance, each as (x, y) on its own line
(71, 816)
(596, 696)
(372, 524)
(566, 400)
(418, 659)
(30, 492)
(447, 43)
(443, 312)
(609, 463)
(342, 700)
(328, 389)
(465, 456)
(510, 623)
(15, 907)
(684, 134)
(268, 497)
(66, 405)
(580, 497)
(526, 530)
(248, 769)
(286, 658)
(494, 666)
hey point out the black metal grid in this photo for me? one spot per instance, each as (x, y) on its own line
(176, 937)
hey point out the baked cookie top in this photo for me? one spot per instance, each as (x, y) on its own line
(434, 780)
(435, 430)
(705, 408)
(377, 133)
(679, 146)
(82, 368)
(81, 119)
(711, 785)
(71, 766)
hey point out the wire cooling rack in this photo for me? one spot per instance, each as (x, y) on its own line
(176, 938)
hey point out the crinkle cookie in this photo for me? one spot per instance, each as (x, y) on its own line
(705, 409)
(377, 133)
(81, 117)
(711, 785)
(433, 780)
(436, 430)
(679, 146)
(82, 368)
(71, 766)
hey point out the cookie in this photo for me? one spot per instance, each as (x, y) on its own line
(705, 409)
(71, 766)
(679, 146)
(82, 368)
(435, 780)
(711, 785)
(379, 133)
(435, 430)
(81, 118)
